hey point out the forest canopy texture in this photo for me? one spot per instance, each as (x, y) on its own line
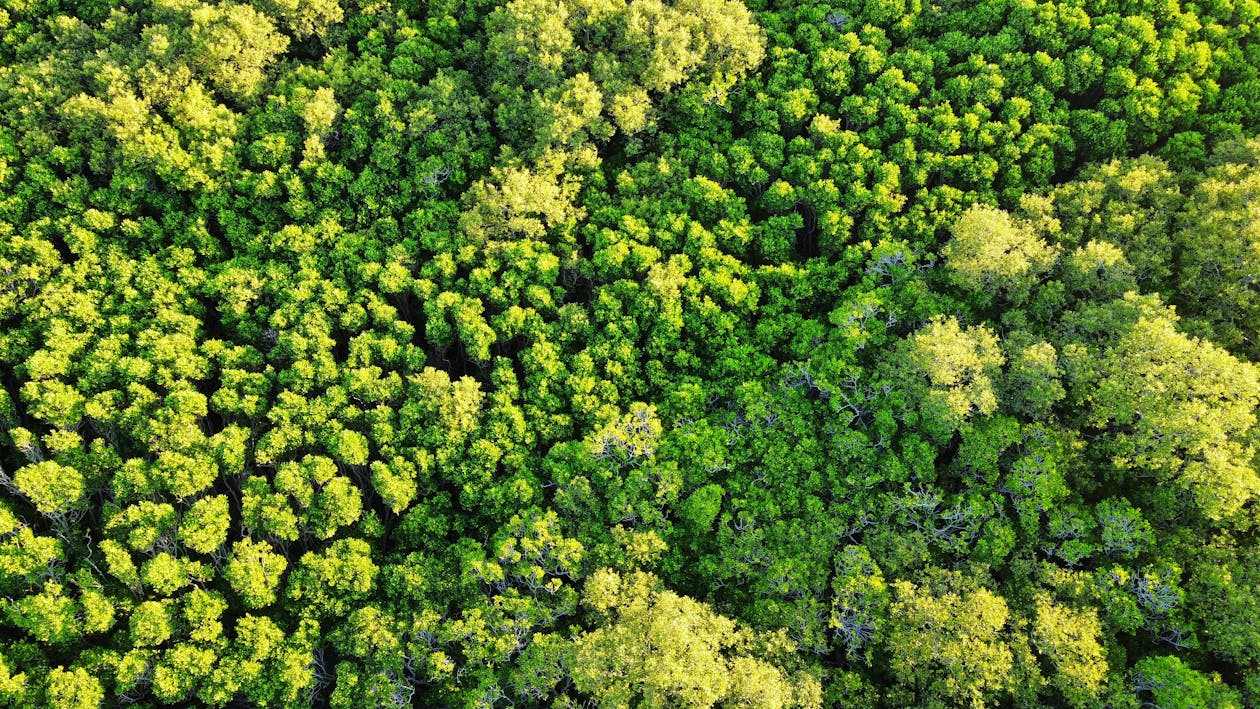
(618, 353)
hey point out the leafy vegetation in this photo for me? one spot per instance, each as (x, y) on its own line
(363, 353)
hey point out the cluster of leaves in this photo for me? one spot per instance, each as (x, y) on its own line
(364, 353)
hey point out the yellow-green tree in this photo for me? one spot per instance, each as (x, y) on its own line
(1172, 408)
(1069, 638)
(658, 649)
(950, 371)
(950, 642)
(992, 255)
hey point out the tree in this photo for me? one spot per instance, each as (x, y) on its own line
(331, 582)
(992, 255)
(1032, 384)
(165, 574)
(267, 513)
(204, 526)
(26, 556)
(571, 110)
(232, 45)
(859, 604)
(1223, 597)
(1070, 639)
(1170, 682)
(255, 572)
(13, 686)
(950, 642)
(1127, 203)
(1218, 243)
(1124, 532)
(306, 18)
(950, 371)
(73, 688)
(152, 623)
(522, 202)
(529, 42)
(53, 488)
(203, 611)
(530, 554)
(326, 501)
(662, 649)
(701, 508)
(266, 665)
(1098, 271)
(50, 616)
(1192, 429)
(180, 670)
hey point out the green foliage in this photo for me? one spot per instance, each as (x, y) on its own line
(254, 572)
(151, 623)
(665, 352)
(204, 526)
(661, 649)
(328, 583)
(950, 370)
(1219, 242)
(1129, 204)
(949, 641)
(1193, 429)
(1070, 639)
(1222, 594)
(306, 17)
(73, 688)
(990, 255)
(53, 488)
(701, 508)
(232, 45)
(1171, 683)
(1033, 381)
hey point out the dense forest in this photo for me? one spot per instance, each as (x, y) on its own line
(661, 353)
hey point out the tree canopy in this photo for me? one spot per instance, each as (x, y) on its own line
(532, 353)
